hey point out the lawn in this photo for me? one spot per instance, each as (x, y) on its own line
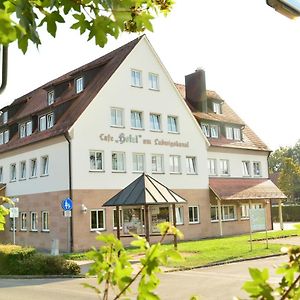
(207, 251)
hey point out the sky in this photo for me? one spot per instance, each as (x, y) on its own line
(249, 52)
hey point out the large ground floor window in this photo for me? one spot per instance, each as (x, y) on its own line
(228, 213)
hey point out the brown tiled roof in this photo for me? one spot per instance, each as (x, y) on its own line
(245, 189)
(69, 104)
(250, 139)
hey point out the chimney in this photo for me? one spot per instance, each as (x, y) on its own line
(195, 90)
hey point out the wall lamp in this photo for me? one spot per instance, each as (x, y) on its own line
(83, 209)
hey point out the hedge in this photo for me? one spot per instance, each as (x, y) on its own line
(17, 260)
(289, 213)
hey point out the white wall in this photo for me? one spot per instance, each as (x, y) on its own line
(118, 92)
(57, 180)
(236, 156)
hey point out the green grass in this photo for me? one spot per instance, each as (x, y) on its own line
(207, 251)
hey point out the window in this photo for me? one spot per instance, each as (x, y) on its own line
(45, 221)
(212, 163)
(96, 161)
(194, 214)
(133, 220)
(136, 78)
(25, 129)
(120, 219)
(216, 107)
(33, 167)
(22, 170)
(23, 221)
(214, 213)
(224, 167)
(155, 122)
(1, 174)
(136, 119)
(50, 97)
(1, 138)
(153, 82)
(46, 121)
(117, 117)
(246, 168)
(228, 212)
(237, 134)
(138, 162)
(5, 117)
(97, 219)
(191, 165)
(205, 129)
(78, 85)
(33, 221)
(28, 128)
(45, 165)
(118, 161)
(13, 172)
(256, 168)
(6, 136)
(244, 211)
(214, 131)
(172, 124)
(157, 161)
(159, 215)
(229, 133)
(22, 130)
(233, 133)
(179, 215)
(175, 164)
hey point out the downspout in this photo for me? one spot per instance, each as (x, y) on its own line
(68, 139)
(4, 68)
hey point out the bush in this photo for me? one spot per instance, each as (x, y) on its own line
(16, 260)
(289, 213)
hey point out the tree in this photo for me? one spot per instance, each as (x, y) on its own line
(4, 211)
(20, 20)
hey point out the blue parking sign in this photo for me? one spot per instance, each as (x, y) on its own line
(67, 204)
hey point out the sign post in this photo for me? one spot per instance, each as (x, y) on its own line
(258, 222)
(67, 206)
(14, 213)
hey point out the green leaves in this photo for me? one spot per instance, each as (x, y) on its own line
(4, 211)
(99, 18)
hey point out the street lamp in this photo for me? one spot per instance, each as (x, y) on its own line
(288, 8)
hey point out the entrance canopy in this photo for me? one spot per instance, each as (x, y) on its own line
(145, 190)
(245, 189)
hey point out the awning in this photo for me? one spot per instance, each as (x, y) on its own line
(145, 190)
(245, 189)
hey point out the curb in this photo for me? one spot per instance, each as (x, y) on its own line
(39, 276)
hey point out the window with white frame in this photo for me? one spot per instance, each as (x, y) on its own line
(1, 174)
(157, 161)
(96, 160)
(42, 123)
(5, 117)
(118, 161)
(33, 167)
(174, 161)
(155, 122)
(191, 167)
(229, 133)
(28, 128)
(212, 166)
(50, 97)
(224, 167)
(136, 78)
(78, 85)
(25, 129)
(23, 221)
(136, 119)
(46, 121)
(172, 124)
(23, 170)
(50, 120)
(244, 208)
(117, 119)
(97, 217)
(228, 212)
(179, 215)
(153, 81)
(205, 129)
(44, 165)
(1, 138)
(237, 133)
(6, 136)
(194, 214)
(216, 107)
(214, 213)
(138, 160)
(257, 206)
(33, 221)
(115, 218)
(246, 168)
(45, 221)
(256, 168)
(13, 172)
(214, 131)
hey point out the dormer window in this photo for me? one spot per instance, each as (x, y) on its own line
(25, 129)
(46, 121)
(210, 130)
(50, 97)
(6, 136)
(233, 133)
(216, 107)
(79, 85)
(5, 117)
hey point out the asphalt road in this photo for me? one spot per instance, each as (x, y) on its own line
(219, 282)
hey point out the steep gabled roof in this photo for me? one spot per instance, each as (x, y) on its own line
(69, 104)
(250, 139)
